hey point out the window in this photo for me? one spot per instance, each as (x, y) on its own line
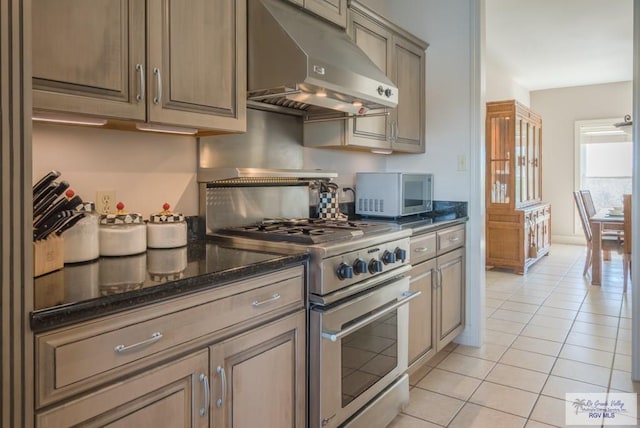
(603, 161)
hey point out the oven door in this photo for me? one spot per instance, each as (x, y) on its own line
(358, 347)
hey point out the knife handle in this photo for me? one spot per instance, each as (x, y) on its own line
(42, 206)
(45, 181)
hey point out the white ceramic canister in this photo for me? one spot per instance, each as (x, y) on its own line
(122, 234)
(81, 241)
(166, 229)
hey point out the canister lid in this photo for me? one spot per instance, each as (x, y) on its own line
(121, 217)
(166, 216)
(86, 207)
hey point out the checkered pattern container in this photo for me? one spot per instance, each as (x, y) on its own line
(328, 206)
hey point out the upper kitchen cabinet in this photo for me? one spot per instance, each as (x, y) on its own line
(177, 62)
(401, 56)
(331, 10)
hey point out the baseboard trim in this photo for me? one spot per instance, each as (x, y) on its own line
(568, 239)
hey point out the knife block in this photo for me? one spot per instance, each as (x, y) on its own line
(48, 255)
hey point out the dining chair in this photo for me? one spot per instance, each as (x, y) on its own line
(626, 255)
(609, 243)
(607, 228)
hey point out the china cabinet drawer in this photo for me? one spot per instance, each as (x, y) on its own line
(423, 247)
(75, 358)
(450, 238)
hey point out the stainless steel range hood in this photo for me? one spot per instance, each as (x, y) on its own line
(301, 62)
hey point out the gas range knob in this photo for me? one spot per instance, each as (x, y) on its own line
(388, 257)
(375, 266)
(344, 271)
(359, 266)
(388, 92)
(401, 254)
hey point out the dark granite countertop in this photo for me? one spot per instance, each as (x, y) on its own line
(108, 285)
(444, 214)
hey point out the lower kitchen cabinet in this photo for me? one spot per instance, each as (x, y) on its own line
(172, 395)
(258, 378)
(437, 316)
(231, 356)
(449, 298)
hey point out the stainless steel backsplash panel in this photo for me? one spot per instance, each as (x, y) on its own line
(237, 206)
(272, 140)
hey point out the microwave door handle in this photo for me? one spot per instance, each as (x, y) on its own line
(335, 336)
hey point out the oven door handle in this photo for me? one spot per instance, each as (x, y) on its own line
(334, 337)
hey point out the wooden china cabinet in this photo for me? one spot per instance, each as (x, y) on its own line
(518, 221)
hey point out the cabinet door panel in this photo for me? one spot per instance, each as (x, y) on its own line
(170, 395)
(333, 10)
(198, 46)
(450, 297)
(264, 374)
(420, 311)
(375, 42)
(85, 56)
(410, 113)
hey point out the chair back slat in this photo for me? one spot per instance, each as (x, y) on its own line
(626, 204)
(587, 201)
(586, 228)
(584, 219)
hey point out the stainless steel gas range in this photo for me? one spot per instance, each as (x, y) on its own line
(358, 295)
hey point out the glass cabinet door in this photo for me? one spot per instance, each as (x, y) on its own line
(499, 160)
(521, 144)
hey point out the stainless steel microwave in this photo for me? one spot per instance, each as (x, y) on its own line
(393, 194)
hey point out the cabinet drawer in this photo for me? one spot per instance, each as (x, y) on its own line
(423, 247)
(73, 359)
(449, 239)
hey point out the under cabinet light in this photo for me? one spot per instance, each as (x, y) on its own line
(165, 129)
(382, 151)
(68, 119)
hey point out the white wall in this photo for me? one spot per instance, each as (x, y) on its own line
(501, 86)
(560, 108)
(145, 169)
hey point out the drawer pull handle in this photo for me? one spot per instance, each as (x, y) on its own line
(257, 304)
(154, 338)
(205, 380)
(421, 250)
(454, 239)
(223, 381)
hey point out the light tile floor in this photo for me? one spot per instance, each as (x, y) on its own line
(547, 333)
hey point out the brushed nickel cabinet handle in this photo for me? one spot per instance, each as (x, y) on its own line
(257, 304)
(125, 348)
(158, 97)
(421, 250)
(140, 69)
(223, 380)
(205, 380)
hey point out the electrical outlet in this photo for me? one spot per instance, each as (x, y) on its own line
(106, 201)
(462, 163)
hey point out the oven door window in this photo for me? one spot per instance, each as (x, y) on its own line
(368, 354)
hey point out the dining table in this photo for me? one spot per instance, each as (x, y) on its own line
(605, 218)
